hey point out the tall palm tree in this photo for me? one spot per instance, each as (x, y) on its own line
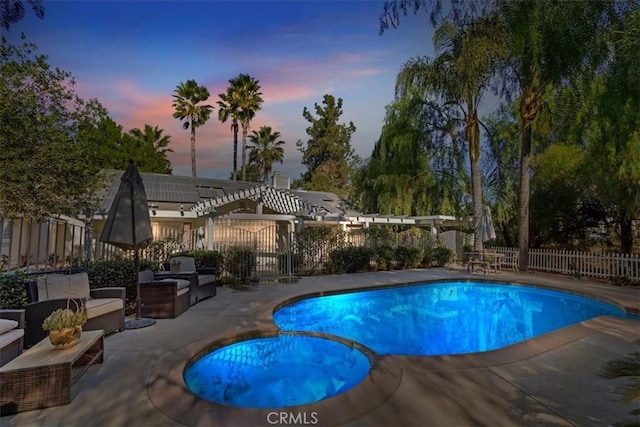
(458, 77)
(266, 149)
(247, 100)
(186, 104)
(12, 11)
(229, 109)
(548, 41)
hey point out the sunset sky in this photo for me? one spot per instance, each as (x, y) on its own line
(131, 55)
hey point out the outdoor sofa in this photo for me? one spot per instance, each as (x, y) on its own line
(163, 298)
(11, 334)
(105, 306)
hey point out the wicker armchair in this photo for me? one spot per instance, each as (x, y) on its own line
(105, 306)
(203, 279)
(163, 298)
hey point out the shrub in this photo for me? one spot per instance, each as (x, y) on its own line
(427, 256)
(442, 255)
(239, 262)
(13, 293)
(350, 259)
(204, 258)
(117, 273)
(384, 255)
(408, 256)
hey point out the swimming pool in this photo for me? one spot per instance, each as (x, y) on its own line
(441, 318)
(324, 341)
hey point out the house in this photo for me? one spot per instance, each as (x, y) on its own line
(198, 213)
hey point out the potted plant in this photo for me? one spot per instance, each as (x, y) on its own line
(65, 325)
(175, 266)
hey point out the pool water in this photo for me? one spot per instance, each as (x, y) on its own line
(444, 318)
(275, 372)
(296, 368)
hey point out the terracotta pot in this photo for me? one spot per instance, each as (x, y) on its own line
(65, 337)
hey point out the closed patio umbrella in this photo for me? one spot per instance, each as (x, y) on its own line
(488, 231)
(128, 227)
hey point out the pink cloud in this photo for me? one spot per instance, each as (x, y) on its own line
(283, 92)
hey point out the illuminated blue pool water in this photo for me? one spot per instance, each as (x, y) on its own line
(443, 318)
(430, 319)
(275, 372)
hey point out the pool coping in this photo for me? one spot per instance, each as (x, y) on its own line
(169, 394)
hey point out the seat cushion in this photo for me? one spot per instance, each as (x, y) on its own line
(205, 279)
(11, 336)
(6, 325)
(62, 286)
(99, 306)
(181, 283)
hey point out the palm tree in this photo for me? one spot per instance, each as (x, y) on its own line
(12, 11)
(458, 77)
(549, 42)
(241, 102)
(186, 104)
(229, 109)
(266, 149)
(154, 147)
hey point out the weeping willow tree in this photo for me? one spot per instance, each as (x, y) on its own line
(405, 174)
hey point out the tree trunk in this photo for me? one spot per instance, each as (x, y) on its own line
(245, 129)
(234, 126)
(523, 212)
(626, 235)
(528, 111)
(193, 150)
(473, 132)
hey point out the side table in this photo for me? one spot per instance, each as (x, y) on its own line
(41, 376)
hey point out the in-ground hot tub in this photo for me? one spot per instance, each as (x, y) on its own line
(274, 372)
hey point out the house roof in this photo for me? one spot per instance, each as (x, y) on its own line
(172, 191)
(203, 195)
(209, 196)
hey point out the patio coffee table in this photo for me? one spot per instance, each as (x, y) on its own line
(41, 376)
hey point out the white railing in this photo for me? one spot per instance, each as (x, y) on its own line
(580, 263)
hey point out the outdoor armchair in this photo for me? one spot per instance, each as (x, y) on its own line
(203, 279)
(105, 306)
(163, 298)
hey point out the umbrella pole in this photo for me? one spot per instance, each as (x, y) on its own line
(136, 263)
(139, 321)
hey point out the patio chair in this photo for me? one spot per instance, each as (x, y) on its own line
(105, 306)
(204, 279)
(474, 259)
(163, 298)
(512, 261)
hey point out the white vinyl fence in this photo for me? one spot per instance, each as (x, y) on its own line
(579, 263)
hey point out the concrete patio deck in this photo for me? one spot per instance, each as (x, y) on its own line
(550, 380)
